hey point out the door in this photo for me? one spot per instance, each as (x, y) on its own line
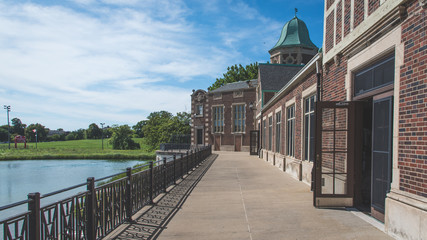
(199, 136)
(381, 154)
(254, 142)
(334, 163)
(237, 143)
(217, 142)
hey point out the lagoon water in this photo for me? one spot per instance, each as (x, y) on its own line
(18, 178)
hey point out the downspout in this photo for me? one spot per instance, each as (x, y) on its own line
(318, 98)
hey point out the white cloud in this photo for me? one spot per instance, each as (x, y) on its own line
(117, 59)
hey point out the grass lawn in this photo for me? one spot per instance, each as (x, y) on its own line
(76, 149)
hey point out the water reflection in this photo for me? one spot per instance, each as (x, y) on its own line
(18, 178)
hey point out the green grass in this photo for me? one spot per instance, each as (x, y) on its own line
(77, 149)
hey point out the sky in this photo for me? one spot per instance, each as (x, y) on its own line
(69, 63)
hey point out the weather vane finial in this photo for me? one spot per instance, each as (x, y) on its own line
(296, 10)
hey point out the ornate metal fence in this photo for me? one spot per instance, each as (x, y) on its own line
(94, 213)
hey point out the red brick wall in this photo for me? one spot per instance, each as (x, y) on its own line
(359, 12)
(329, 3)
(372, 6)
(347, 16)
(413, 103)
(329, 36)
(338, 23)
(334, 82)
(299, 131)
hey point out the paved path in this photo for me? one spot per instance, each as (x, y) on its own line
(243, 197)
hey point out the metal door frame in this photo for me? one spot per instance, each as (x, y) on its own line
(390, 144)
(335, 200)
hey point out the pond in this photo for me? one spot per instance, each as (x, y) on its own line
(20, 177)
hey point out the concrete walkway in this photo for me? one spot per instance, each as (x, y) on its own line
(243, 197)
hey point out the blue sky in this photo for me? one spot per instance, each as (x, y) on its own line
(69, 63)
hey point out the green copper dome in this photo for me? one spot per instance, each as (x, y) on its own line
(294, 34)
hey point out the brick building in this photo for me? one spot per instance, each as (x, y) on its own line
(374, 63)
(224, 117)
(371, 115)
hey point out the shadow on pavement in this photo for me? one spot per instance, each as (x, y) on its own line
(152, 222)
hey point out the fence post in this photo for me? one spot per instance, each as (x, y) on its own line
(34, 221)
(129, 194)
(90, 209)
(164, 175)
(182, 165)
(151, 182)
(188, 156)
(174, 168)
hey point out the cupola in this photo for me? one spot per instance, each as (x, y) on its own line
(294, 45)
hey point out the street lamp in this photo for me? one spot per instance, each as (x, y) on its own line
(8, 125)
(102, 134)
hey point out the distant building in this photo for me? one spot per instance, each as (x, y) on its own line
(224, 117)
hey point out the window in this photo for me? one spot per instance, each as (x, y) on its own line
(263, 133)
(217, 96)
(199, 109)
(373, 77)
(218, 119)
(237, 94)
(278, 123)
(290, 131)
(309, 124)
(270, 132)
(239, 118)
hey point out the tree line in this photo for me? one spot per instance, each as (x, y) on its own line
(159, 128)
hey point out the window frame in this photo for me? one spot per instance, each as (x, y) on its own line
(309, 123)
(270, 132)
(290, 131)
(239, 120)
(278, 129)
(218, 119)
(198, 114)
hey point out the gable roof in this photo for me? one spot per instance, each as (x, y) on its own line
(275, 76)
(236, 86)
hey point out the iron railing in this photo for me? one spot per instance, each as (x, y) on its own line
(94, 213)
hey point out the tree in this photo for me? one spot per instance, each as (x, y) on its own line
(235, 74)
(76, 135)
(41, 132)
(18, 127)
(122, 138)
(138, 128)
(93, 132)
(161, 126)
(3, 133)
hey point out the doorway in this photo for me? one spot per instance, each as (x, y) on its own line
(376, 160)
(217, 142)
(237, 143)
(200, 136)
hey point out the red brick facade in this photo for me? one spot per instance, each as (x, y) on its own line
(413, 103)
(329, 42)
(359, 12)
(296, 93)
(334, 81)
(338, 26)
(228, 140)
(373, 5)
(347, 16)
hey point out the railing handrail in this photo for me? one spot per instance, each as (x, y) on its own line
(83, 209)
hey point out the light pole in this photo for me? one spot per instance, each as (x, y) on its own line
(8, 125)
(102, 134)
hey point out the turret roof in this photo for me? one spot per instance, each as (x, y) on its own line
(294, 34)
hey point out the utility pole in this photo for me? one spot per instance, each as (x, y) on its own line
(102, 134)
(8, 125)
